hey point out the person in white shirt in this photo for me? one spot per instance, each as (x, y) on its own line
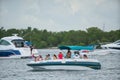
(76, 55)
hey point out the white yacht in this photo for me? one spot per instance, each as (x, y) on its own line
(15, 47)
(114, 45)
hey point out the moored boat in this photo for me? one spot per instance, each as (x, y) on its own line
(115, 45)
(15, 47)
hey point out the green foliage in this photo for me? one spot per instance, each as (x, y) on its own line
(45, 39)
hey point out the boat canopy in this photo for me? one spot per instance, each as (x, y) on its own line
(77, 47)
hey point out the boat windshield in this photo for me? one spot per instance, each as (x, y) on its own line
(4, 42)
(18, 43)
(118, 41)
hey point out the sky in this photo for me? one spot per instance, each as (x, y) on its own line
(60, 15)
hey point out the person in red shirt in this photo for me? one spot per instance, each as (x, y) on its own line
(60, 55)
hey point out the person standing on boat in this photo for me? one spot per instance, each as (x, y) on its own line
(31, 48)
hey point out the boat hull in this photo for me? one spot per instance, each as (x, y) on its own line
(16, 53)
(7, 53)
(114, 45)
(65, 64)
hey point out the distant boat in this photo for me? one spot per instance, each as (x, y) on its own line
(66, 63)
(114, 45)
(15, 47)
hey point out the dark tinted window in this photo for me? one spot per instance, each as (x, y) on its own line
(18, 43)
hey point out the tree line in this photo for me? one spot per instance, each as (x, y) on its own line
(47, 39)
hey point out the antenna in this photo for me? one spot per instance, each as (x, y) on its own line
(103, 27)
(14, 34)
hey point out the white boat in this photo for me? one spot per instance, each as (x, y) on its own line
(114, 45)
(65, 63)
(14, 47)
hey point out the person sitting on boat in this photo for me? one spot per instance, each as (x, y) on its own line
(47, 57)
(83, 54)
(34, 57)
(76, 55)
(54, 57)
(39, 58)
(68, 55)
(60, 55)
(15, 44)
